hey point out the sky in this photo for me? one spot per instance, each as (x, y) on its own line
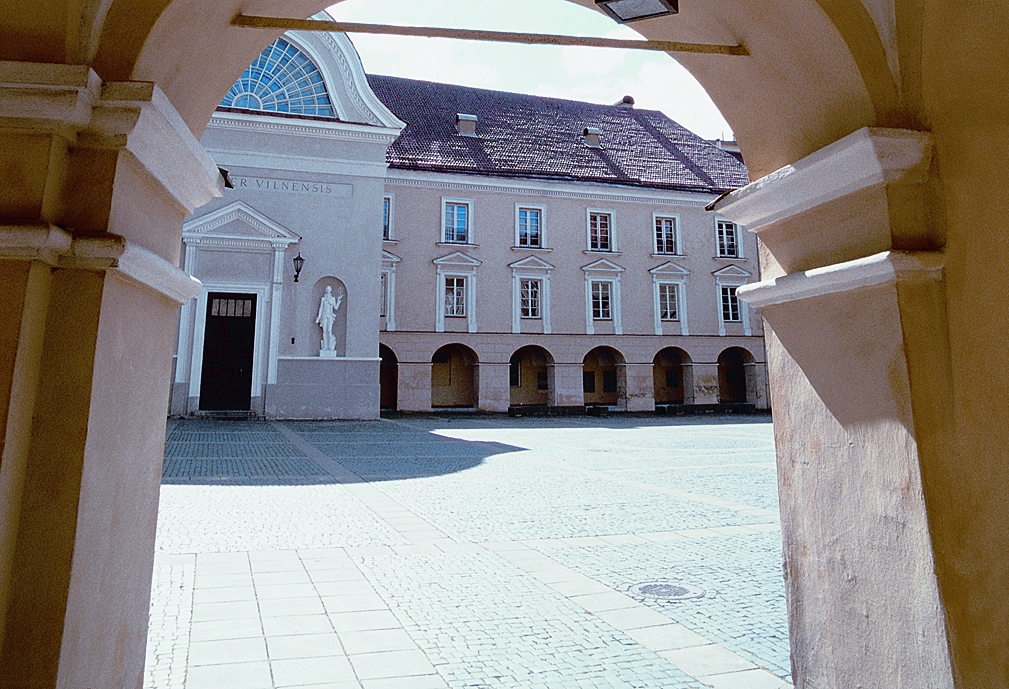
(655, 80)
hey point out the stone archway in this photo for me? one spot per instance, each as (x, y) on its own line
(388, 378)
(529, 373)
(605, 378)
(733, 381)
(669, 377)
(119, 165)
(454, 378)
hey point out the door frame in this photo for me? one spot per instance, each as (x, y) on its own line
(200, 330)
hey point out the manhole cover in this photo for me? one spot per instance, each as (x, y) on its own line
(665, 590)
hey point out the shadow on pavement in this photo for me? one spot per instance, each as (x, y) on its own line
(255, 453)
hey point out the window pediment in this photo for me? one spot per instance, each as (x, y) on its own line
(603, 265)
(530, 263)
(731, 272)
(457, 259)
(669, 269)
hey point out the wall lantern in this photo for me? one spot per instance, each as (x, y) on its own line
(299, 263)
(633, 10)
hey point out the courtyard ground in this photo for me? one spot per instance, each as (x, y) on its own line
(431, 552)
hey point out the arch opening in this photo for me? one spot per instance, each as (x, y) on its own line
(530, 374)
(604, 378)
(670, 372)
(735, 376)
(388, 378)
(454, 378)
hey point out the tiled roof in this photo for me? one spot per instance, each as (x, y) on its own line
(535, 137)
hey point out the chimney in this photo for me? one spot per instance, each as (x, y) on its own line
(466, 124)
(627, 102)
(590, 136)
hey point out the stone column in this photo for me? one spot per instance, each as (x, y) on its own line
(493, 390)
(87, 326)
(640, 394)
(704, 383)
(854, 305)
(414, 393)
(566, 385)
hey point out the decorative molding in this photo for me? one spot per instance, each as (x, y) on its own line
(530, 263)
(135, 116)
(669, 269)
(730, 272)
(602, 265)
(106, 252)
(882, 268)
(315, 129)
(542, 187)
(457, 259)
(201, 230)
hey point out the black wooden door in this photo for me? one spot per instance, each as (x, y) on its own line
(226, 382)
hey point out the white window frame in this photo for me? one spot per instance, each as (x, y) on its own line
(452, 266)
(589, 212)
(678, 239)
(610, 290)
(531, 268)
(737, 236)
(391, 235)
(519, 207)
(539, 298)
(389, 262)
(457, 280)
(670, 274)
(744, 311)
(445, 201)
(603, 271)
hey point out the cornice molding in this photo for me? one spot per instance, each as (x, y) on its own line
(331, 131)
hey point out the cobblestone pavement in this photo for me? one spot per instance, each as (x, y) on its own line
(427, 552)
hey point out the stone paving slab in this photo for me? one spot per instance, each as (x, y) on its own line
(464, 553)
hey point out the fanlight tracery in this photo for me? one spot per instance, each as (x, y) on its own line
(281, 79)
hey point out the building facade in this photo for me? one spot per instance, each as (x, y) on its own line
(531, 258)
(478, 250)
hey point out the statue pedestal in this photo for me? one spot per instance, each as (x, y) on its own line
(327, 354)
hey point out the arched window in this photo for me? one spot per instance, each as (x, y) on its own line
(281, 79)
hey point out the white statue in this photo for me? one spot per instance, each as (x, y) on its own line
(327, 316)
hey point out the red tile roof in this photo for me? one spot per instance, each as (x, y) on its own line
(536, 137)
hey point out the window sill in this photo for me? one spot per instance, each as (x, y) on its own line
(602, 320)
(531, 248)
(531, 318)
(390, 241)
(669, 255)
(471, 246)
(730, 258)
(598, 252)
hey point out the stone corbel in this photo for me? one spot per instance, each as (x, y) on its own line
(106, 252)
(138, 117)
(72, 102)
(859, 196)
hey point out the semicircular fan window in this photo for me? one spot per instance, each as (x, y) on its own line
(281, 79)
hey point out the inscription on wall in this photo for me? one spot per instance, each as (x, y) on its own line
(292, 186)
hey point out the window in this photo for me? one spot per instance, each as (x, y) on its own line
(385, 295)
(541, 381)
(665, 236)
(730, 305)
(231, 308)
(668, 302)
(601, 301)
(387, 218)
(672, 378)
(281, 79)
(530, 226)
(455, 296)
(530, 298)
(600, 232)
(589, 381)
(514, 372)
(457, 219)
(728, 240)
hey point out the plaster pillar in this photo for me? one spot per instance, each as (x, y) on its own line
(87, 327)
(640, 387)
(703, 379)
(566, 385)
(414, 387)
(493, 388)
(854, 306)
